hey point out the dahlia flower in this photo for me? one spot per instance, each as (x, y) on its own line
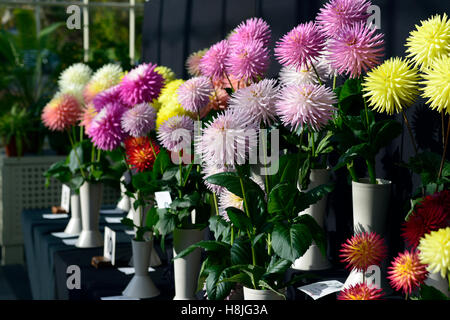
(248, 60)
(337, 14)
(436, 89)
(429, 41)
(391, 86)
(169, 92)
(194, 94)
(212, 64)
(308, 104)
(110, 95)
(62, 112)
(193, 62)
(105, 131)
(259, 99)
(434, 250)
(406, 272)
(432, 214)
(139, 120)
(360, 291)
(228, 139)
(106, 77)
(306, 75)
(167, 73)
(88, 114)
(356, 49)
(228, 199)
(168, 111)
(141, 153)
(363, 250)
(142, 84)
(175, 134)
(300, 46)
(251, 29)
(73, 79)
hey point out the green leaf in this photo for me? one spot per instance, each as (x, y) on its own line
(291, 242)
(278, 265)
(151, 219)
(208, 245)
(220, 228)
(257, 238)
(241, 252)
(229, 180)
(265, 285)
(76, 156)
(316, 231)
(384, 132)
(127, 222)
(166, 222)
(360, 150)
(431, 293)
(216, 288)
(239, 219)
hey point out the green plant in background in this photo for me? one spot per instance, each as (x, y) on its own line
(14, 126)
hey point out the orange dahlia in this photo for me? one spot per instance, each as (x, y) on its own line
(406, 272)
(360, 291)
(363, 250)
(141, 153)
(62, 112)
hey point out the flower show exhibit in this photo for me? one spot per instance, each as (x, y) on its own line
(230, 171)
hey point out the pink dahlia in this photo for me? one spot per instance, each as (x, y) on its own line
(356, 49)
(251, 29)
(105, 131)
(108, 96)
(229, 139)
(248, 60)
(306, 105)
(407, 272)
(176, 133)
(193, 62)
(212, 64)
(337, 14)
(300, 46)
(62, 112)
(142, 84)
(259, 99)
(139, 120)
(194, 94)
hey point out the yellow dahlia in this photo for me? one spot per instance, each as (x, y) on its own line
(166, 73)
(391, 86)
(429, 41)
(435, 251)
(437, 84)
(168, 111)
(168, 94)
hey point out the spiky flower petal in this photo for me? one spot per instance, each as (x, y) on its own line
(141, 153)
(194, 94)
(437, 88)
(363, 250)
(212, 64)
(110, 95)
(406, 272)
(306, 75)
(300, 46)
(139, 120)
(391, 86)
(167, 73)
(356, 49)
(73, 79)
(193, 62)
(360, 291)
(106, 77)
(176, 133)
(306, 105)
(429, 41)
(434, 250)
(62, 112)
(88, 114)
(228, 199)
(251, 29)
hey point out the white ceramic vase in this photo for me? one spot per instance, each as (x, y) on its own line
(91, 199)
(74, 226)
(186, 269)
(370, 210)
(252, 294)
(141, 285)
(313, 258)
(124, 202)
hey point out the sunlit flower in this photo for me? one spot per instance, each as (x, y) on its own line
(306, 75)
(195, 93)
(360, 291)
(106, 77)
(73, 79)
(300, 46)
(193, 62)
(212, 64)
(141, 153)
(431, 214)
(406, 272)
(363, 250)
(358, 48)
(169, 92)
(437, 88)
(105, 131)
(429, 41)
(167, 73)
(251, 29)
(391, 86)
(176, 133)
(228, 199)
(62, 112)
(306, 105)
(139, 120)
(110, 95)
(142, 84)
(434, 250)
(337, 14)
(259, 99)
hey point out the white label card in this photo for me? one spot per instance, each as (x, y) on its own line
(65, 197)
(320, 289)
(109, 247)
(163, 199)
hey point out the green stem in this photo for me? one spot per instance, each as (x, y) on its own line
(151, 146)
(352, 171)
(216, 206)
(76, 154)
(371, 170)
(441, 167)
(311, 138)
(181, 169)
(410, 131)
(81, 133)
(248, 215)
(74, 134)
(269, 244)
(265, 165)
(367, 112)
(98, 154)
(334, 82)
(317, 74)
(232, 236)
(229, 81)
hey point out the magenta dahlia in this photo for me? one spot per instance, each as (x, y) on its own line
(251, 29)
(108, 96)
(212, 64)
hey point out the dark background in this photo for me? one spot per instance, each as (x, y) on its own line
(172, 29)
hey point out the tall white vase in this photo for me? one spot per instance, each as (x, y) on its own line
(91, 199)
(74, 226)
(313, 259)
(370, 210)
(252, 294)
(141, 285)
(186, 269)
(124, 202)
